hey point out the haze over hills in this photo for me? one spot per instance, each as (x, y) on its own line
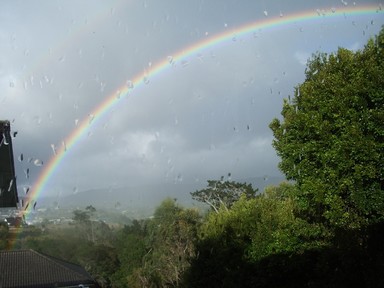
(145, 196)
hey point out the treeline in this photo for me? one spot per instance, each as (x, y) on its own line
(323, 228)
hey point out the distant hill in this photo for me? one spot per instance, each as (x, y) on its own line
(148, 196)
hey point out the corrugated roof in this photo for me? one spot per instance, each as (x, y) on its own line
(29, 269)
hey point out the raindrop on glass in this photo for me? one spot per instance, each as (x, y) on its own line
(146, 80)
(64, 146)
(38, 120)
(26, 172)
(26, 190)
(76, 122)
(62, 59)
(75, 190)
(4, 140)
(265, 13)
(102, 86)
(130, 84)
(53, 149)
(91, 117)
(184, 63)
(38, 162)
(170, 59)
(11, 84)
(10, 185)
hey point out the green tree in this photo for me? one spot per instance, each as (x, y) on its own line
(232, 241)
(331, 137)
(170, 237)
(223, 193)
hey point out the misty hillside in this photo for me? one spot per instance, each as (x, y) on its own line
(148, 196)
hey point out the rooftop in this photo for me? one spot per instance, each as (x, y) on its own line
(30, 269)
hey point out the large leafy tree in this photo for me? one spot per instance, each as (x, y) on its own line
(331, 137)
(223, 193)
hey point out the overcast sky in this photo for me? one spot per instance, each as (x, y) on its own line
(204, 117)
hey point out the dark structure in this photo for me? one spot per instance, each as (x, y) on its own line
(8, 187)
(29, 269)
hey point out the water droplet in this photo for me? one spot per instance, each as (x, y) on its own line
(37, 120)
(225, 25)
(146, 80)
(4, 140)
(130, 84)
(281, 14)
(26, 172)
(64, 146)
(333, 9)
(200, 57)
(184, 63)
(102, 86)
(75, 190)
(118, 94)
(21, 157)
(179, 178)
(11, 84)
(265, 13)
(76, 122)
(10, 185)
(26, 189)
(170, 59)
(38, 162)
(62, 59)
(91, 117)
(53, 149)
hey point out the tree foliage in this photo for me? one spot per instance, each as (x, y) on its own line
(331, 137)
(169, 241)
(223, 193)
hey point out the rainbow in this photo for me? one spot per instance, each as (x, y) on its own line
(110, 101)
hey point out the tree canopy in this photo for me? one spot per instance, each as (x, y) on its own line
(331, 137)
(223, 193)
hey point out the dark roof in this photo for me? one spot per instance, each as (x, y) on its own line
(30, 269)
